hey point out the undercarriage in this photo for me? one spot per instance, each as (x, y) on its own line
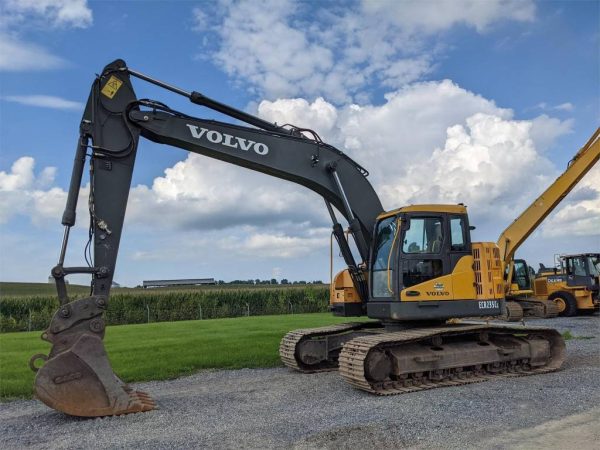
(382, 362)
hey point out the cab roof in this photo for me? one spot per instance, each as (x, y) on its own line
(575, 255)
(428, 208)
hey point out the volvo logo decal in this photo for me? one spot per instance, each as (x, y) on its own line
(228, 140)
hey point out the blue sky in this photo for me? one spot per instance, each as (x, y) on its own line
(472, 101)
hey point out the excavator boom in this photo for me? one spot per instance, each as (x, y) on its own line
(516, 233)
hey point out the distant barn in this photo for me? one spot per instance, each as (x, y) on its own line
(186, 282)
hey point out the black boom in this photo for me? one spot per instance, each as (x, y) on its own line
(113, 121)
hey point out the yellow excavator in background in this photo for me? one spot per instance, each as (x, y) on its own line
(419, 267)
(542, 300)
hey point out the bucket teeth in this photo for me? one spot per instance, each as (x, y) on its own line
(140, 402)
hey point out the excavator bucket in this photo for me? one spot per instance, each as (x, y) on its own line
(77, 377)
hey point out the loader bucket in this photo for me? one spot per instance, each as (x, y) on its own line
(79, 381)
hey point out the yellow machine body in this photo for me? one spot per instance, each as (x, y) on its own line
(476, 277)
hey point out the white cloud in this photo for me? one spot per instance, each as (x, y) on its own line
(482, 164)
(385, 138)
(284, 48)
(275, 245)
(45, 101)
(16, 16)
(432, 16)
(318, 115)
(23, 192)
(580, 216)
(201, 193)
(17, 55)
(436, 142)
(545, 130)
(565, 107)
(57, 13)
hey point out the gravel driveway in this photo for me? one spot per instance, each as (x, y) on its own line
(279, 408)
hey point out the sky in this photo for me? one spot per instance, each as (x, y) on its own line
(479, 102)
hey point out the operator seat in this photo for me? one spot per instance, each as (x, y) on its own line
(435, 245)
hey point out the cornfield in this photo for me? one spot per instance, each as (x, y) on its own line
(22, 313)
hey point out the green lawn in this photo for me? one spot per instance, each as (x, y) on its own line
(164, 350)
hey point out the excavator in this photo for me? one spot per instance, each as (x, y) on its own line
(418, 273)
(523, 298)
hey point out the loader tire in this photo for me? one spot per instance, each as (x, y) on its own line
(565, 302)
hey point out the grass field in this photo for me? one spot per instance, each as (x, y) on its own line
(12, 289)
(160, 351)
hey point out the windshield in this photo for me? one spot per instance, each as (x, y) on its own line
(386, 231)
(594, 264)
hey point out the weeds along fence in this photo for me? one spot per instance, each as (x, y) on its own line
(22, 313)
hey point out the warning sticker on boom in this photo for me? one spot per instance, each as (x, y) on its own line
(112, 86)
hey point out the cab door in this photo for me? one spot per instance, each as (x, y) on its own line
(423, 248)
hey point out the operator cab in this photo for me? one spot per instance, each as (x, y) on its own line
(582, 270)
(523, 275)
(412, 246)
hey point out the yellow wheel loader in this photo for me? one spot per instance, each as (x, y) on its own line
(574, 287)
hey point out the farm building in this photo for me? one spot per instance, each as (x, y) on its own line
(184, 282)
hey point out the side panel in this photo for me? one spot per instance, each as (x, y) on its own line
(344, 300)
(434, 310)
(489, 280)
(459, 285)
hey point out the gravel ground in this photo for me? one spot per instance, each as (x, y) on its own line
(275, 408)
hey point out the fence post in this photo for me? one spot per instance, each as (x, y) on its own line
(29, 322)
(291, 306)
(248, 309)
(148, 312)
(200, 310)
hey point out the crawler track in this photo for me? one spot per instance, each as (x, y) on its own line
(289, 343)
(356, 353)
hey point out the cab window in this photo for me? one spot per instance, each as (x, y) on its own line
(383, 267)
(457, 234)
(424, 235)
(594, 264)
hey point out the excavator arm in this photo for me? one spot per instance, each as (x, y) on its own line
(77, 378)
(516, 233)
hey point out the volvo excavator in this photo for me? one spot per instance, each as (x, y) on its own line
(522, 298)
(418, 266)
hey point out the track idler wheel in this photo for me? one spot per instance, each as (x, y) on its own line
(378, 366)
(513, 312)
